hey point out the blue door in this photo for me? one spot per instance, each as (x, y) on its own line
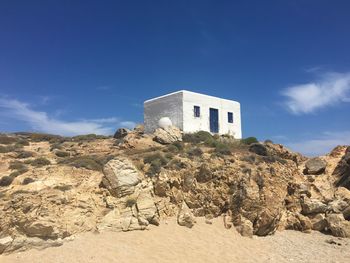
(214, 120)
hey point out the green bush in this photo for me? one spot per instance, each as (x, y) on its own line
(55, 146)
(24, 154)
(89, 162)
(222, 148)
(130, 202)
(156, 160)
(6, 180)
(62, 154)
(249, 140)
(195, 151)
(27, 180)
(268, 141)
(17, 165)
(39, 162)
(19, 172)
(197, 137)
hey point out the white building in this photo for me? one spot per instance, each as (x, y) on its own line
(192, 112)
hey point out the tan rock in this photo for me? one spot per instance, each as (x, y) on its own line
(338, 226)
(167, 135)
(313, 206)
(185, 216)
(319, 222)
(244, 227)
(120, 177)
(5, 242)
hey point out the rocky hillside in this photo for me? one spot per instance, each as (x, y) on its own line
(54, 187)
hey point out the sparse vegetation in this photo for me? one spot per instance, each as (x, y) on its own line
(195, 152)
(156, 160)
(19, 172)
(39, 162)
(90, 162)
(39, 137)
(7, 149)
(249, 140)
(197, 137)
(248, 158)
(6, 180)
(88, 137)
(27, 180)
(176, 164)
(62, 154)
(130, 202)
(55, 146)
(17, 165)
(24, 154)
(4, 139)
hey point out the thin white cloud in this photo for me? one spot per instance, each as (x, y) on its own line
(41, 121)
(332, 88)
(322, 144)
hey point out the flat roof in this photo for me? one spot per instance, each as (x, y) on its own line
(186, 91)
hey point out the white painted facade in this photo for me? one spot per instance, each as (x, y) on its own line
(179, 107)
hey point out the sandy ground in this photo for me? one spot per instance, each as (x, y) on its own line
(203, 243)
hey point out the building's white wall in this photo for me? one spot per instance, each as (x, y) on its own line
(165, 106)
(194, 124)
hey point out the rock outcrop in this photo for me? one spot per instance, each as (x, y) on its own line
(342, 171)
(104, 184)
(120, 177)
(121, 133)
(167, 135)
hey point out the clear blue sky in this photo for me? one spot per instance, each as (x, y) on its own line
(73, 67)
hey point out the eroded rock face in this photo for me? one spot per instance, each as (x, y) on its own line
(120, 177)
(185, 216)
(167, 135)
(342, 171)
(315, 166)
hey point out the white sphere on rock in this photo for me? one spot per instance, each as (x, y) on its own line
(165, 122)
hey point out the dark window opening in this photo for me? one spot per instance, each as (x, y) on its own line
(230, 117)
(197, 111)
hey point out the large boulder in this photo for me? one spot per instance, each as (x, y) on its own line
(120, 177)
(338, 226)
(121, 133)
(185, 216)
(315, 166)
(167, 135)
(312, 206)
